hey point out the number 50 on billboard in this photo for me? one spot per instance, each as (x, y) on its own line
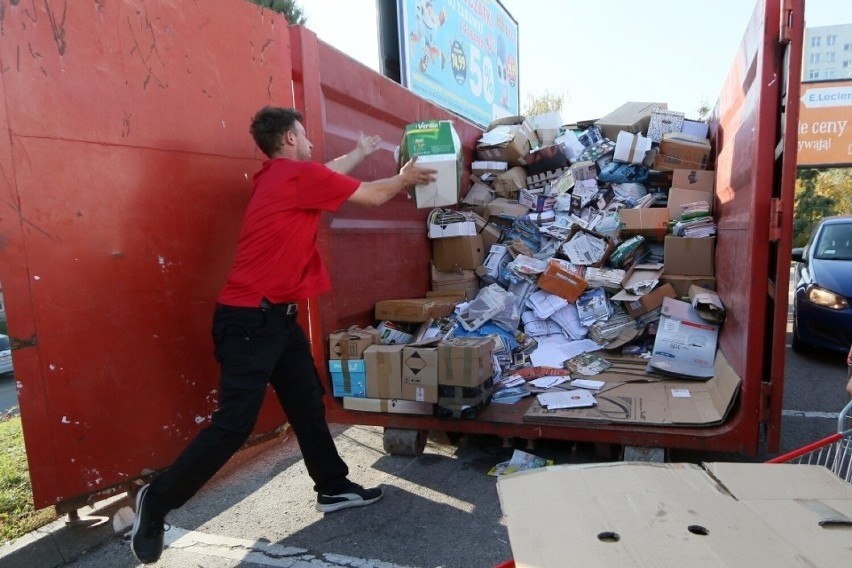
(462, 55)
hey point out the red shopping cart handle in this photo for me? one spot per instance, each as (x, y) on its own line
(506, 564)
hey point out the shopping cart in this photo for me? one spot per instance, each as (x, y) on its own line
(833, 452)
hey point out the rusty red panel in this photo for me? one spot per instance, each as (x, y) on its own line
(747, 131)
(126, 166)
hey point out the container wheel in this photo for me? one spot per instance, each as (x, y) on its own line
(402, 442)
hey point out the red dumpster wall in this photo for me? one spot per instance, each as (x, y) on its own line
(126, 166)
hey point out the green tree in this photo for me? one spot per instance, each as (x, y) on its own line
(703, 109)
(811, 205)
(289, 8)
(542, 104)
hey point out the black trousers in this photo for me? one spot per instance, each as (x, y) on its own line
(255, 347)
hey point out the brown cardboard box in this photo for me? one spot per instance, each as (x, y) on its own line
(524, 139)
(682, 283)
(465, 361)
(383, 365)
(507, 207)
(416, 310)
(510, 182)
(458, 253)
(420, 372)
(650, 301)
(351, 343)
(392, 406)
(678, 197)
(699, 180)
(679, 151)
(477, 197)
(491, 235)
(630, 117)
(650, 222)
(688, 256)
(464, 281)
(558, 278)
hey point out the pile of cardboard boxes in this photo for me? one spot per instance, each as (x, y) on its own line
(600, 221)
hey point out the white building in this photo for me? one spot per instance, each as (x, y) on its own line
(827, 53)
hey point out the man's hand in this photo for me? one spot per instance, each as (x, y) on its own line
(415, 175)
(366, 145)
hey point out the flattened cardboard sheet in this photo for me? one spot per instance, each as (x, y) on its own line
(636, 397)
(674, 514)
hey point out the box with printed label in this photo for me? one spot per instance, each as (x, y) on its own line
(420, 372)
(496, 261)
(562, 279)
(348, 377)
(663, 122)
(351, 343)
(383, 364)
(436, 145)
(536, 200)
(465, 361)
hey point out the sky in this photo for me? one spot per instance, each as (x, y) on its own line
(598, 54)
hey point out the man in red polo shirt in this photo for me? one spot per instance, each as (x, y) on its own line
(257, 339)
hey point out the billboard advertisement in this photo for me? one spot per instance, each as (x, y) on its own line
(825, 124)
(462, 55)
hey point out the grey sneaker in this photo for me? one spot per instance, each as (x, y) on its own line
(146, 539)
(351, 495)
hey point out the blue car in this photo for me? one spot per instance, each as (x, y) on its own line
(822, 308)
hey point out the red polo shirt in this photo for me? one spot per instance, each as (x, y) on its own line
(277, 255)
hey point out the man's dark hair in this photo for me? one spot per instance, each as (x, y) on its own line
(269, 124)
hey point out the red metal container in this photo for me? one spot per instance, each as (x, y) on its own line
(126, 166)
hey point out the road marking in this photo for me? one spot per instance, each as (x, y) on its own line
(262, 553)
(810, 414)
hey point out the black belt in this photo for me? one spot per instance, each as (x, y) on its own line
(289, 308)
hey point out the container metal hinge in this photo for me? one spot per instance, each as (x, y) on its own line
(776, 210)
(785, 36)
